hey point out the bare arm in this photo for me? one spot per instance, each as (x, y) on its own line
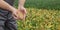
(5, 5)
(21, 3)
(21, 8)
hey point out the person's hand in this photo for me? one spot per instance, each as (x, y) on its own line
(15, 13)
(23, 10)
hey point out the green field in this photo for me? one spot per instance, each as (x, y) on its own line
(44, 4)
(41, 17)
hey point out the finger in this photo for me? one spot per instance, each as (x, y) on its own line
(24, 11)
(15, 17)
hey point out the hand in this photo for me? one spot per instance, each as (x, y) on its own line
(23, 10)
(15, 13)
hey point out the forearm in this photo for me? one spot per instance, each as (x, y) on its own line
(5, 5)
(21, 3)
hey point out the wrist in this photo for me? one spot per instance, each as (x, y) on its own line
(12, 9)
(20, 6)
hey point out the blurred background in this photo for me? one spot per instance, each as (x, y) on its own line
(42, 15)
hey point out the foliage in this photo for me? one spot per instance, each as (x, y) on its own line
(45, 4)
(40, 19)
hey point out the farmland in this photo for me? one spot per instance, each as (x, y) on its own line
(41, 15)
